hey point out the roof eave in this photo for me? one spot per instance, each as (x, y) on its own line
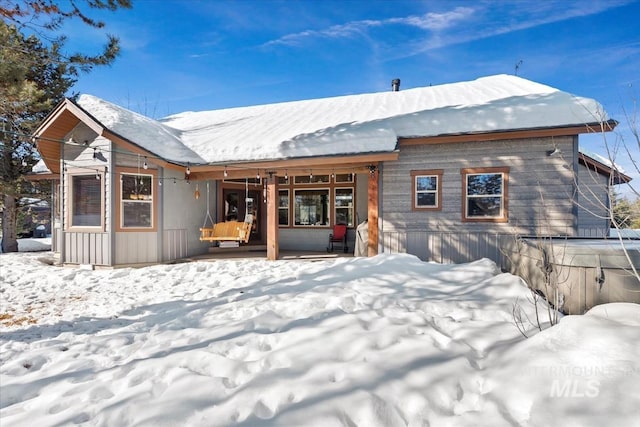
(537, 132)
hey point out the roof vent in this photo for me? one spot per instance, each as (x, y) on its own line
(395, 85)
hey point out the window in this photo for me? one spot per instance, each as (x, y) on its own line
(344, 177)
(311, 207)
(86, 200)
(311, 179)
(283, 207)
(136, 201)
(427, 192)
(344, 206)
(485, 194)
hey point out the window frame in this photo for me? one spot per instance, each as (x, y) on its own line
(287, 208)
(415, 174)
(504, 196)
(348, 181)
(313, 179)
(71, 174)
(351, 208)
(329, 219)
(119, 205)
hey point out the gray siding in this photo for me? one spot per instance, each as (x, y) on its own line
(183, 215)
(541, 191)
(86, 248)
(593, 203)
(174, 244)
(136, 248)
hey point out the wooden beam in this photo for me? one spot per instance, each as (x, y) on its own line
(301, 166)
(372, 215)
(272, 218)
(251, 173)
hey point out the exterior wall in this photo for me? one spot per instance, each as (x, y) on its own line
(593, 203)
(136, 248)
(183, 215)
(541, 190)
(312, 239)
(85, 246)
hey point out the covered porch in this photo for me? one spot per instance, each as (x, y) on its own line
(279, 187)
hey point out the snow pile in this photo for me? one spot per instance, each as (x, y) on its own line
(383, 341)
(33, 244)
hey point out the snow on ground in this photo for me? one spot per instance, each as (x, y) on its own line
(33, 244)
(382, 341)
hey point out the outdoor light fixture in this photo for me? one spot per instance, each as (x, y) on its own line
(372, 169)
(258, 176)
(145, 165)
(556, 151)
(286, 176)
(188, 171)
(226, 174)
(95, 155)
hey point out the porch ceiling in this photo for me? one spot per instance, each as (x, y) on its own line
(293, 167)
(51, 137)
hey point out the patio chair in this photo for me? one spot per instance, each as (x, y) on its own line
(339, 235)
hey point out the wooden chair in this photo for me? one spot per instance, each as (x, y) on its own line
(339, 235)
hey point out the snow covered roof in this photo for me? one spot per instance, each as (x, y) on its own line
(353, 124)
(147, 133)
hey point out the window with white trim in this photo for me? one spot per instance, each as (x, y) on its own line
(311, 207)
(485, 194)
(283, 208)
(344, 206)
(86, 200)
(311, 179)
(136, 201)
(343, 177)
(427, 191)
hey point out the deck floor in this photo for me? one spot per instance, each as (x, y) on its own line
(261, 253)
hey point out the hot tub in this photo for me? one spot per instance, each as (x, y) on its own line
(576, 274)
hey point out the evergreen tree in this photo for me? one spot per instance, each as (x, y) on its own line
(35, 75)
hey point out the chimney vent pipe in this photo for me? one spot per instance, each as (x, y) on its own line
(395, 85)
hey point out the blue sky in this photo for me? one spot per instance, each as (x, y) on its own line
(180, 55)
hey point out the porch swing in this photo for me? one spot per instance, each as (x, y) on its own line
(227, 231)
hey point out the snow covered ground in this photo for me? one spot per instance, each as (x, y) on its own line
(383, 341)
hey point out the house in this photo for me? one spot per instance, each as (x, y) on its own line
(443, 172)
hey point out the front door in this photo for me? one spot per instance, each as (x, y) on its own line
(237, 202)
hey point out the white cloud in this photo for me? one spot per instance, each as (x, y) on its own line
(430, 21)
(435, 21)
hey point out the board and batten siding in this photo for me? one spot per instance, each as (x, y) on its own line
(593, 203)
(85, 246)
(137, 247)
(541, 190)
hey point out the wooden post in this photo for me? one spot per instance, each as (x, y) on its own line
(272, 217)
(372, 215)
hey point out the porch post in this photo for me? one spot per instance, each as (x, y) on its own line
(272, 217)
(372, 216)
